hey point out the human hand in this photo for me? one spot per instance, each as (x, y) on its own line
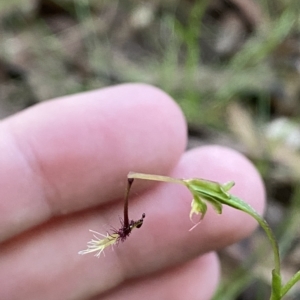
(63, 167)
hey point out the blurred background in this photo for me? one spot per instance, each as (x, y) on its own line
(232, 65)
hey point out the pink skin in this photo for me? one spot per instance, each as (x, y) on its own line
(63, 171)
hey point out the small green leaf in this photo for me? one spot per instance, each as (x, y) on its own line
(209, 188)
(215, 204)
(198, 207)
(228, 185)
(207, 191)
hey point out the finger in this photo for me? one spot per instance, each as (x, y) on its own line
(74, 152)
(163, 241)
(196, 279)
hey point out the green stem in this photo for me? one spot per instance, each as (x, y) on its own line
(290, 283)
(271, 237)
(276, 280)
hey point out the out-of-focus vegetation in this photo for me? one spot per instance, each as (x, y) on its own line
(232, 65)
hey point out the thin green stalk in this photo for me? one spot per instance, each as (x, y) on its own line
(276, 274)
(290, 284)
(265, 226)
